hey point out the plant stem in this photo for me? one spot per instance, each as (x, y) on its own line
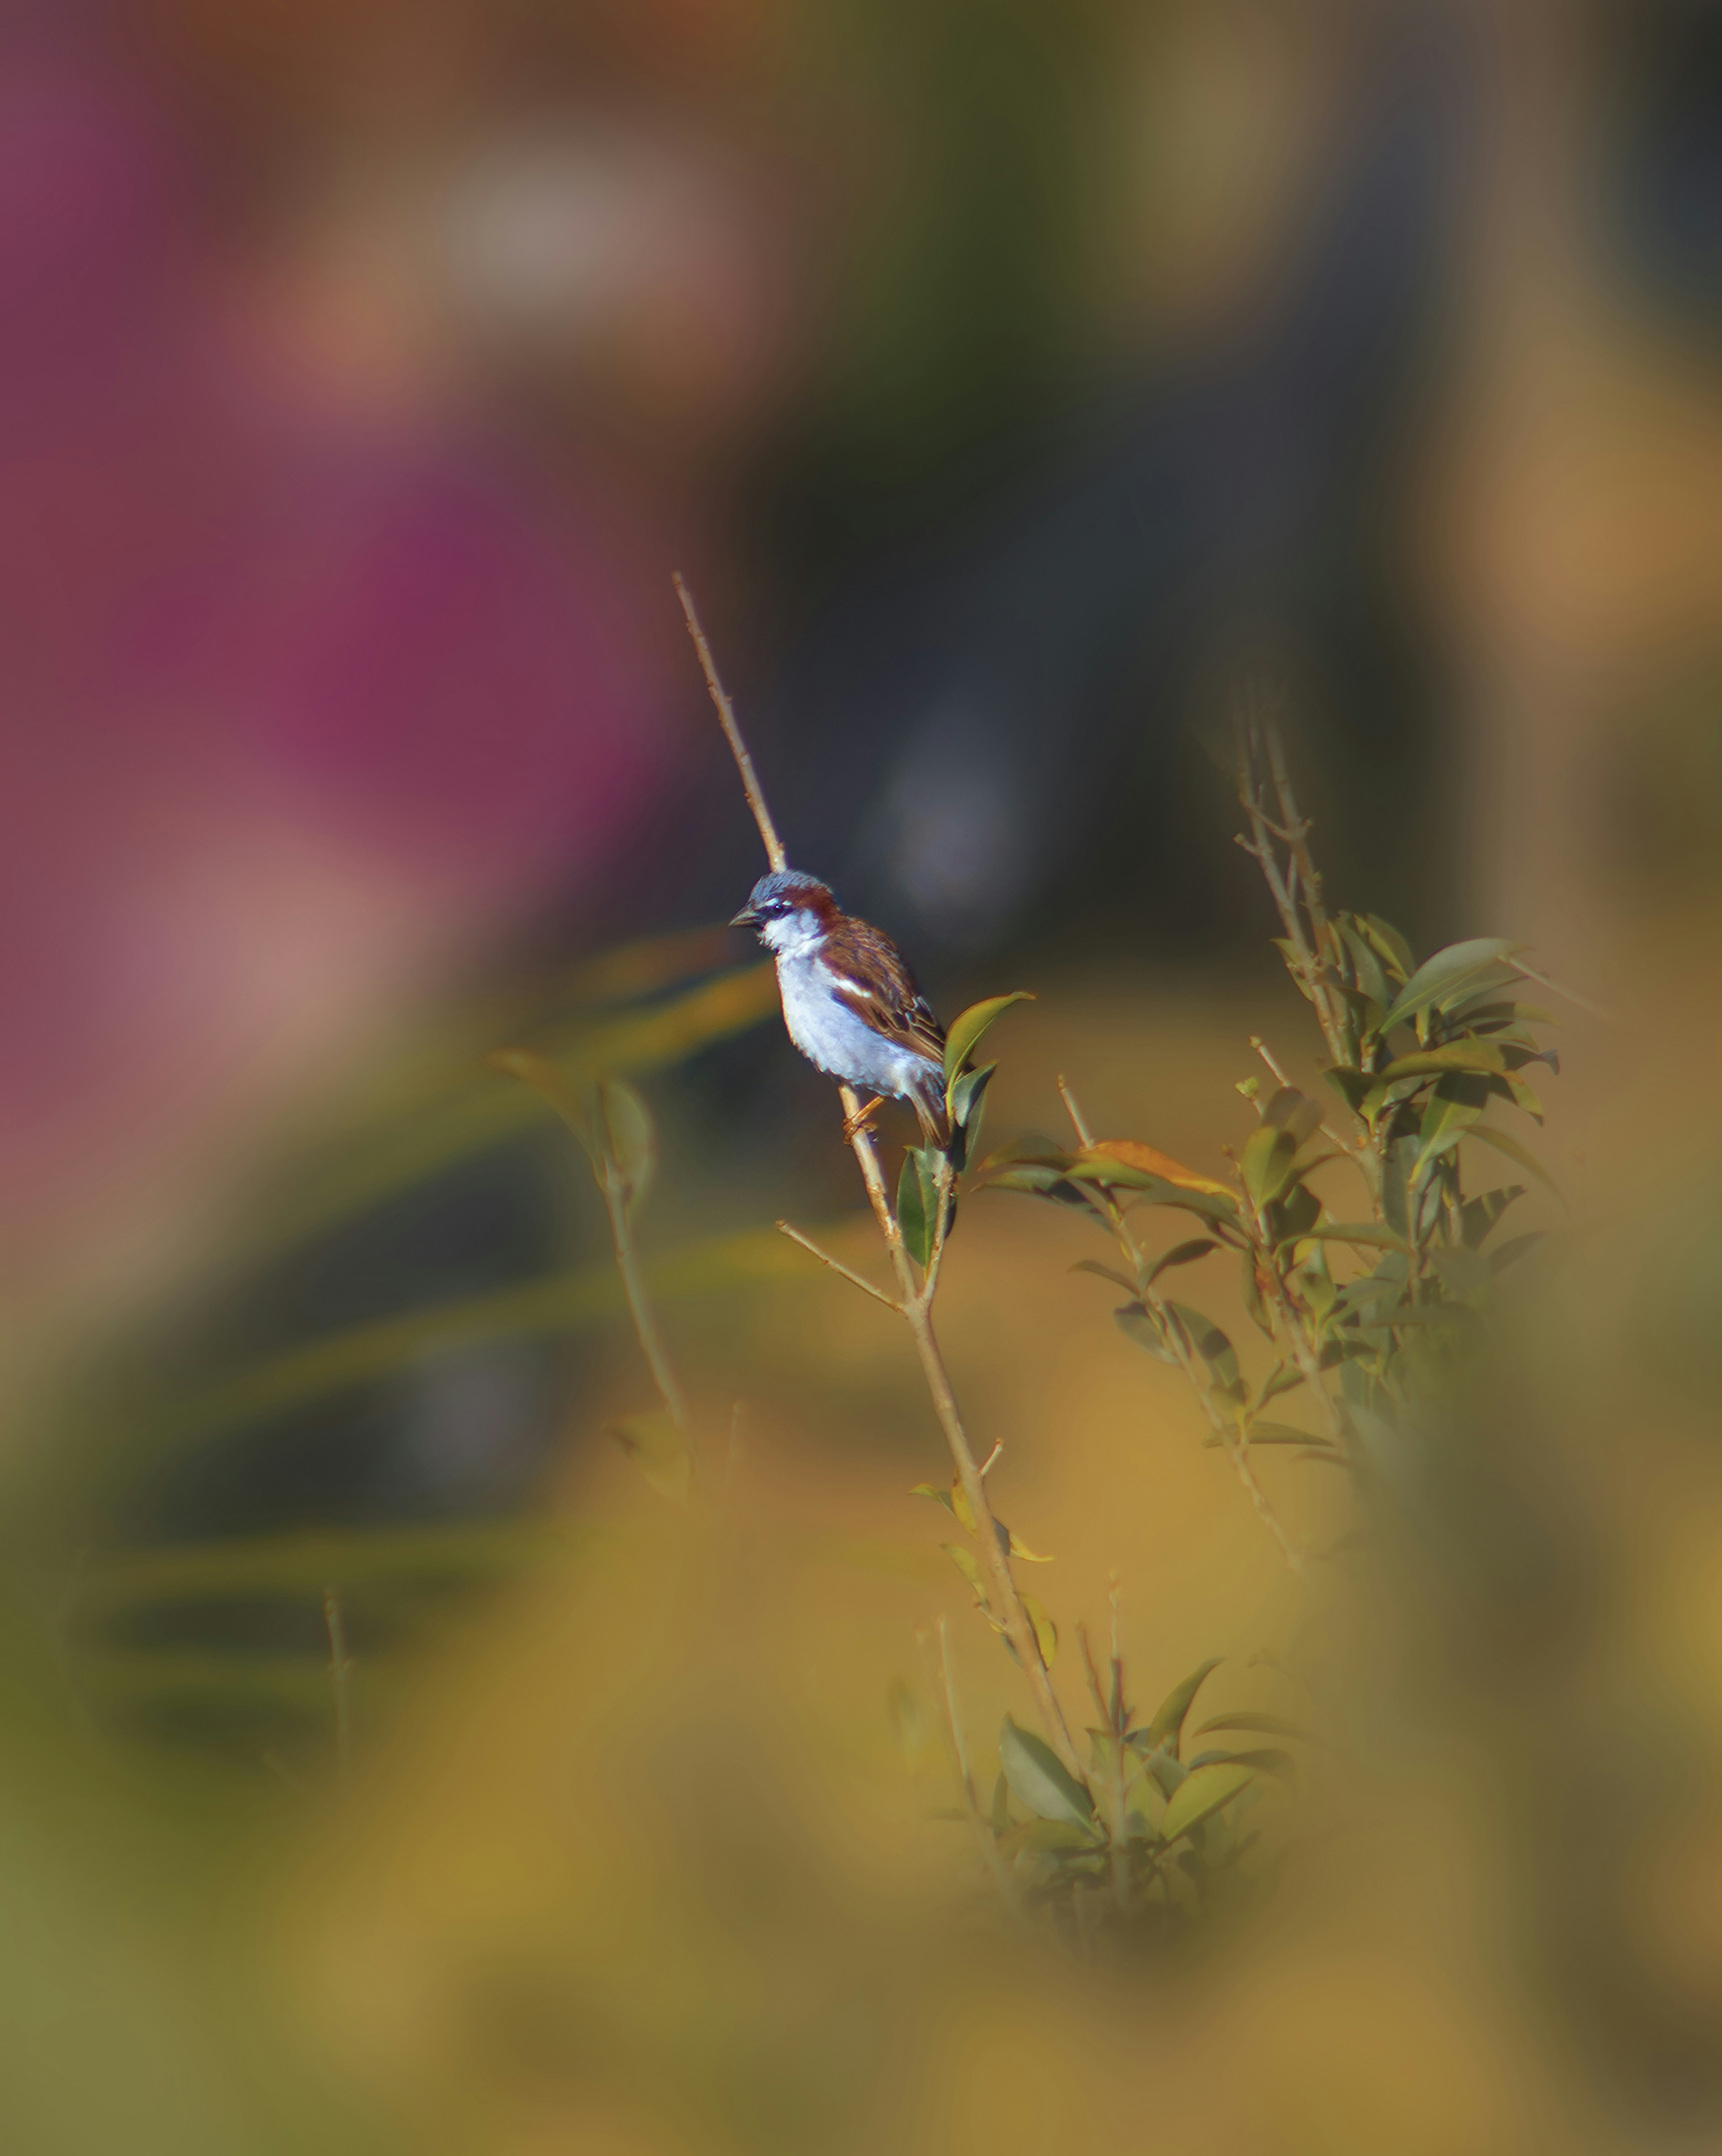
(615, 1189)
(1003, 1594)
(1120, 1851)
(837, 1265)
(732, 733)
(914, 1298)
(1295, 887)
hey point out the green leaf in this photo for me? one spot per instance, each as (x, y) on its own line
(1169, 1772)
(1365, 963)
(1055, 1836)
(1478, 1215)
(1206, 1205)
(1001, 1804)
(918, 1202)
(1522, 1095)
(575, 1103)
(632, 1141)
(961, 1042)
(1039, 1779)
(967, 1093)
(1200, 1794)
(1388, 941)
(1440, 975)
(1475, 1012)
(1137, 1323)
(1283, 1378)
(1182, 1254)
(1445, 1121)
(1296, 1213)
(1350, 1085)
(1210, 1343)
(658, 1449)
(1479, 1055)
(1266, 1759)
(1290, 1110)
(1039, 1177)
(1105, 1273)
(939, 1494)
(960, 1509)
(1167, 1726)
(1266, 1162)
(1046, 1633)
(1396, 1199)
(1265, 1725)
(969, 1565)
(1281, 1433)
(1369, 1233)
(1528, 1161)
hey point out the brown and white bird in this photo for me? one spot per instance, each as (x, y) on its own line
(851, 1004)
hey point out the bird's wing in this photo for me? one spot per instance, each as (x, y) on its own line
(871, 978)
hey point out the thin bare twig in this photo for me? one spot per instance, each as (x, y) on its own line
(1347, 1151)
(854, 1279)
(1583, 1002)
(732, 733)
(1003, 1595)
(1079, 1122)
(1295, 885)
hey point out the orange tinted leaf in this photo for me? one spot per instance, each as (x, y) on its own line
(1131, 1152)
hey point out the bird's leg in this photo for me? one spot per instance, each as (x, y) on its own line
(862, 1117)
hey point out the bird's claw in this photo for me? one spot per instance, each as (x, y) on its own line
(862, 1119)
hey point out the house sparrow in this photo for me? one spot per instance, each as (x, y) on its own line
(850, 1003)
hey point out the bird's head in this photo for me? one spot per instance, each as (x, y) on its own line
(791, 911)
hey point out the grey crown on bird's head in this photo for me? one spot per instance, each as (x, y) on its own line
(781, 892)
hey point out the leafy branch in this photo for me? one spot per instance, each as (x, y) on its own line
(1419, 1054)
(915, 1232)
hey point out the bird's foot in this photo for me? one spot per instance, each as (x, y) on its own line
(862, 1119)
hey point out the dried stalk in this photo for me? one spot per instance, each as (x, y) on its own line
(914, 1298)
(589, 1128)
(732, 733)
(1294, 884)
(1293, 881)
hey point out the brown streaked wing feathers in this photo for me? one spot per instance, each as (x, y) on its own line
(873, 979)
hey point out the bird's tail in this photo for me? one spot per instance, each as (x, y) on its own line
(928, 1101)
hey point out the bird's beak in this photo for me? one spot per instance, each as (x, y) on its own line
(745, 919)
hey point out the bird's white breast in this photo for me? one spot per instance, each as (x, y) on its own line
(831, 1036)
